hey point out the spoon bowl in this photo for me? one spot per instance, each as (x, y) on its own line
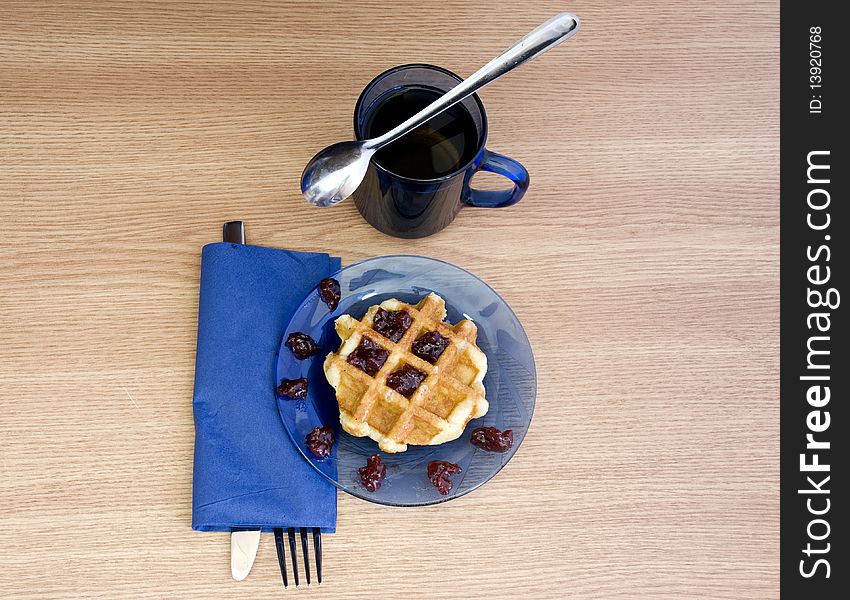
(335, 172)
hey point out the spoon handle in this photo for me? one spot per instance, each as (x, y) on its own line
(551, 33)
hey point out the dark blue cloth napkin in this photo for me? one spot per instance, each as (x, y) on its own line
(247, 473)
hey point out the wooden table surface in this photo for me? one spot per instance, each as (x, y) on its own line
(643, 263)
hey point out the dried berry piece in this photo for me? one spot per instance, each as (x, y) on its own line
(302, 345)
(368, 356)
(320, 441)
(492, 440)
(392, 323)
(429, 346)
(406, 380)
(439, 472)
(373, 473)
(292, 388)
(329, 292)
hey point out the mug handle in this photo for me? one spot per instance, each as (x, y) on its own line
(506, 167)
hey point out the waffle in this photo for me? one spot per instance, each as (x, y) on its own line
(438, 410)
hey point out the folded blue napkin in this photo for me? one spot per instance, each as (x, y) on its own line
(247, 473)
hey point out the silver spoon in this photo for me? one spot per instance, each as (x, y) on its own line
(335, 172)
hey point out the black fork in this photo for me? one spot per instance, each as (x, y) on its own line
(281, 553)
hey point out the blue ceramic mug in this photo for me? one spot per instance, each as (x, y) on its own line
(415, 200)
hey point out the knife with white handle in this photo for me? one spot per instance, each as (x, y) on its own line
(244, 543)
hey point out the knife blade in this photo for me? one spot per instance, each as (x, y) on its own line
(243, 551)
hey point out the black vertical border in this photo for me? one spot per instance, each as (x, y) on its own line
(803, 132)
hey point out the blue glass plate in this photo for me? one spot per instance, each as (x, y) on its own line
(510, 383)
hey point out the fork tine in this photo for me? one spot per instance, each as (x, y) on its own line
(304, 553)
(281, 554)
(317, 547)
(291, 534)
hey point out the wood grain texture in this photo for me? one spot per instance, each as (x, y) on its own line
(643, 263)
